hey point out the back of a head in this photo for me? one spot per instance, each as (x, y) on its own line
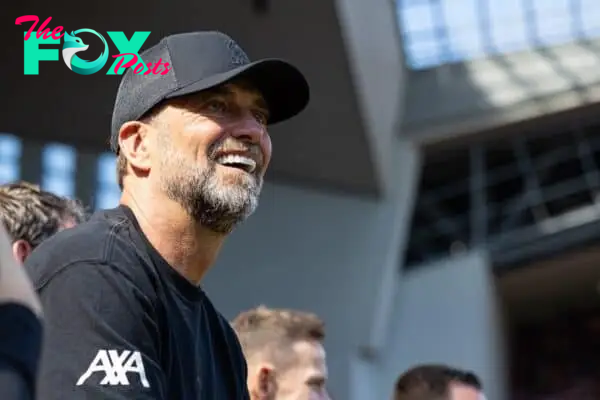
(32, 215)
(266, 332)
(432, 382)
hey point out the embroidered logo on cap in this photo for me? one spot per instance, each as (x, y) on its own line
(238, 57)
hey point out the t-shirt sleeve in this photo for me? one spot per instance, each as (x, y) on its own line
(20, 346)
(101, 338)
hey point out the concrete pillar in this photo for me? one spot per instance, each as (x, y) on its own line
(449, 312)
(372, 39)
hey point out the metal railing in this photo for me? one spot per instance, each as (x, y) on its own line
(501, 191)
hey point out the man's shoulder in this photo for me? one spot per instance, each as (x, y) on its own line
(236, 354)
(104, 239)
(225, 328)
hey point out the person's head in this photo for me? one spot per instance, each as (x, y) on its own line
(198, 134)
(285, 354)
(31, 215)
(438, 382)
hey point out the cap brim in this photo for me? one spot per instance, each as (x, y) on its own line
(284, 88)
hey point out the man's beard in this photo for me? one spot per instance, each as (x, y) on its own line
(217, 205)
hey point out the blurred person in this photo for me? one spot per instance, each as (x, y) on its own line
(285, 354)
(438, 382)
(125, 314)
(21, 327)
(31, 215)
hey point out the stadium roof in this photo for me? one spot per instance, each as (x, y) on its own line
(445, 31)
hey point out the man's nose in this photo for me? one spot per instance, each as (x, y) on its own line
(249, 129)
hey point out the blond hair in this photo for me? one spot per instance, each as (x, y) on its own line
(268, 331)
(32, 214)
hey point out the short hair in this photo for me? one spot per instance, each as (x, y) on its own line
(31, 214)
(428, 382)
(267, 330)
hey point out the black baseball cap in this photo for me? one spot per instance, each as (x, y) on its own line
(200, 61)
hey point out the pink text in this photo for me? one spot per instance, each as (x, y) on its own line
(42, 30)
(154, 70)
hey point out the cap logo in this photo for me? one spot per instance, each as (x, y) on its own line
(238, 57)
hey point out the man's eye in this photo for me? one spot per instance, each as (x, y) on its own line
(216, 105)
(261, 117)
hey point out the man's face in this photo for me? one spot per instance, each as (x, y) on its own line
(459, 391)
(211, 152)
(305, 378)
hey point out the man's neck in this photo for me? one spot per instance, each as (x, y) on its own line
(188, 247)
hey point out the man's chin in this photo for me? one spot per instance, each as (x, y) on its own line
(239, 181)
(224, 220)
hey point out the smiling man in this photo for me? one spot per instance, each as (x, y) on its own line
(126, 317)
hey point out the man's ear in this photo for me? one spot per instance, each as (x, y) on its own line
(21, 250)
(134, 138)
(263, 386)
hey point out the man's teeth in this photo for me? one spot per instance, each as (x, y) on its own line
(238, 161)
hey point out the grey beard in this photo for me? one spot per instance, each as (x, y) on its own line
(215, 206)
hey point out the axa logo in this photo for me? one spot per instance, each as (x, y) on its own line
(115, 367)
(128, 56)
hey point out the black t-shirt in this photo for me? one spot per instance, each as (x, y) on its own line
(20, 345)
(122, 324)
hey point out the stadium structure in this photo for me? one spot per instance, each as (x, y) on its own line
(442, 184)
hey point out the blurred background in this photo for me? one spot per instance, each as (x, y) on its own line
(437, 202)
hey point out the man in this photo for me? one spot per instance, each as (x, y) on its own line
(438, 382)
(32, 215)
(285, 354)
(21, 333)
(126, 317)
